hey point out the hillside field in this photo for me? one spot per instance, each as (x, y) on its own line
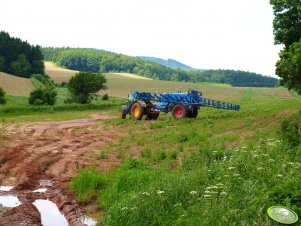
(15, 86)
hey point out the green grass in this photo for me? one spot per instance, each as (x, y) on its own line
(86, 184)
(222, 168)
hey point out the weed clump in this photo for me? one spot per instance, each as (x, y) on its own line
(86, 184)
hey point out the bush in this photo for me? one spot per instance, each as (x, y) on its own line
(84, 85)
(291, 131)
(2, 96)
(45, 79)
(105, 97)
(43, 96)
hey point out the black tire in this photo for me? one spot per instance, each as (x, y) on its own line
(153, 115)
(137, 111)
(178, 111)
(193, 113)
(123, 111)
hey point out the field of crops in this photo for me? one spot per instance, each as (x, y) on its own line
(14, 85)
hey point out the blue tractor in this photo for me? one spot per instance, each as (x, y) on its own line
(180, 104)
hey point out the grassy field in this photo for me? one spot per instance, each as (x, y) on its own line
(222, 168)
(14, 85)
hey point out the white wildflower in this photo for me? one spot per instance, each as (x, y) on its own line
(160, 192)
(145, 193)
(207, 196)
(290, 163)
(193, 192)
(279, 175)
(255, 156)
(231, 167)
(207, 192)
(178, 204)
(124, 208)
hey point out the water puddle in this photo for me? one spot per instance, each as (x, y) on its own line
(50, 214)
(88, 221)
(9, 201)
(41, 190)
(45, 183)
(6, 188)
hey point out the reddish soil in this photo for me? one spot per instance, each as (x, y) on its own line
(48, 154)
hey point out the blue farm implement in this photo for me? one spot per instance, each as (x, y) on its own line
(181, 105)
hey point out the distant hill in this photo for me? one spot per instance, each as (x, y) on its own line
(14, 85)
(168, 63)
(104, 62)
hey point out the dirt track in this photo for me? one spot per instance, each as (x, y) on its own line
(50, 153)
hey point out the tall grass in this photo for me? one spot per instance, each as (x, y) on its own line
(87, 183)
(213, 187)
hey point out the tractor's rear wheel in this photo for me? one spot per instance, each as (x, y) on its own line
(179, 111)
(193, 113)
(153, 115)
(137, 111)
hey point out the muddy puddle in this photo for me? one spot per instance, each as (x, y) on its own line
(49, 205)
(50, 214)
(88, 221)
(9, 201)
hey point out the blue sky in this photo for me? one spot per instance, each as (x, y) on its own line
(207, 34)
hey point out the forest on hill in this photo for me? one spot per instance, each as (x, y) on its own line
(18, 57)
(104, 61)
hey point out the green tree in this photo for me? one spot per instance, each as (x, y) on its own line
(2, 61)
(21, 67)
(287, 21)
(287, 31)
(288, 66)
(84, 85)
(2, 96)
(43, 96)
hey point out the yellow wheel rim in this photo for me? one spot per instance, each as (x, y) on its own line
(136, 111)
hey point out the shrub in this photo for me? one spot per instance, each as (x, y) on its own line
(105, 97)
(84, 85)
(2, 96)
(45, 79)
(291, 131)
(43, 96)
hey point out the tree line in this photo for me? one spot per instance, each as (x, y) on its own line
(18, 57)
(93, 60)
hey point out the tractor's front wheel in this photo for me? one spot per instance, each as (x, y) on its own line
(153, 115)
(178, 111)
(137, 111)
